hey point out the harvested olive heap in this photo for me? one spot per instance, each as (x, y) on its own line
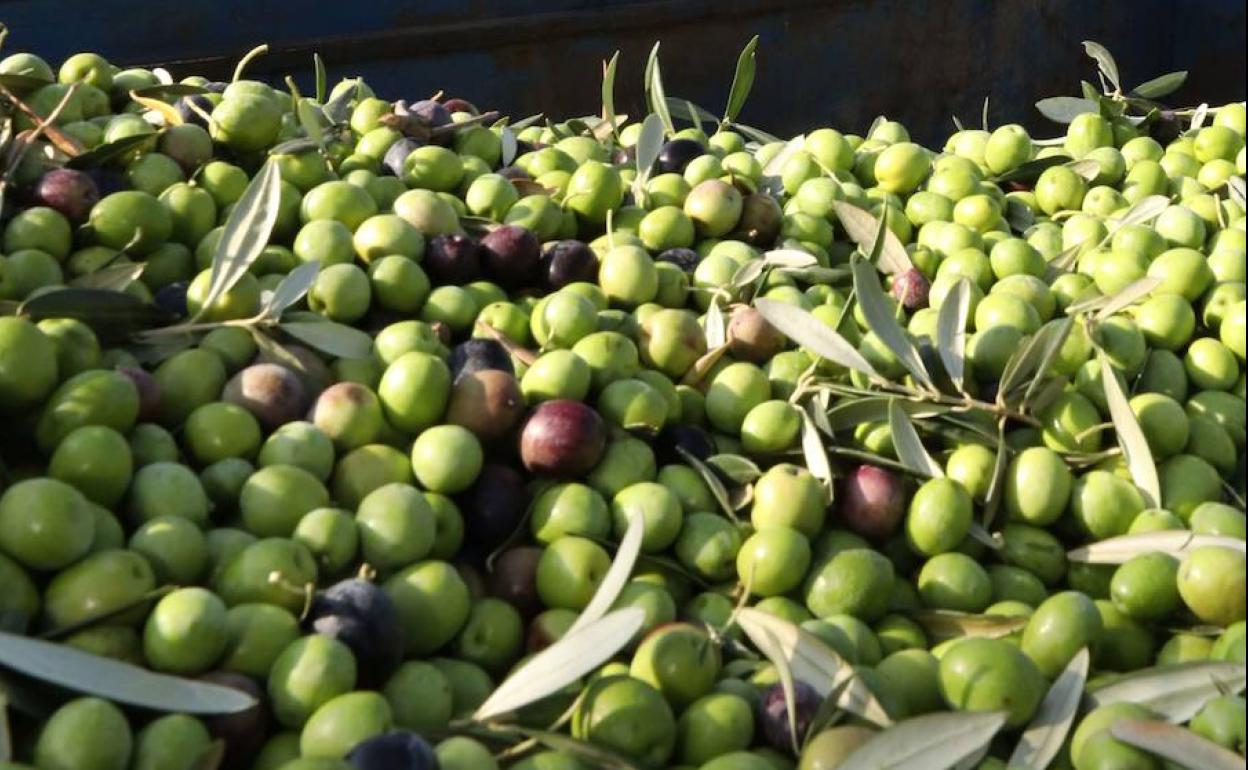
(348, 433)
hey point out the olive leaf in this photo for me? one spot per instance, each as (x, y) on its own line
(338, 340)
(849, 412)
(951, 331)
(742, 81)
(510, 145)
(1162, 85)
(167, 90)
(608, 89)
(769, 646)
(748, 273)
(1177, 543)
(770, 178)
(790, 258)
(1087, 168)
(112, 315)
(167, 111)
(1235, 186)
(1038, 354)
(1019, 216)
(616, 577)
(1124, 297)
(291, 289)
(813, 662)
(1041, 742)
(1064, 109)
(112, 679)
(755, 134)
(909, 447)
(736, 468)
(814, 335)
(942, 625)
(996, 486)
(1131, 439)
(656, 97)
(814, 454)
(930, 742)
(1175, 692)
(1199, 117)
(715, 331)
(713, 483)
(983, 115)
(110, 278)
(295, 147)
(322, 80)
(697, 114)
(1104, 61)
(1181, 746)
(880, 319)
(246, 233)
(338, 109)
(106, 153)
(649, 145)
(590, 754)
(1031, 170)
(309, 120)
(1144, 210)
(864, 229)
(563, 663)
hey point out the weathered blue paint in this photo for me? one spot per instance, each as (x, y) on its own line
(838, 62)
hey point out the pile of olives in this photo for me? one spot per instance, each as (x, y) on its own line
(556, 343)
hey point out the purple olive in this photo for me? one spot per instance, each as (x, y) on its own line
(72, 193)
(676, 154)
(494, 505)
(910, 289)
(452, 259)
(510, 254)
(685, 259)
(872, 502)
(774, 714)
(568, 261)
(562, 438)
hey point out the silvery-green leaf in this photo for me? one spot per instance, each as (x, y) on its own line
(112, 315)
(985, 538)
(792, 258)
(1104, 61)
(931, 742)
(769, 645)
(951, 330)
(608, 90)
(101, 154)
(814, 335)
(656, 97)
(649, 145)
(83, 672)
(983, 116)
(563, 663)
(1174, 692)
(338, 110)
(291, 289)
(741, 470)
(507, 138)
(813, 662)
(996, 486)
(695, 114)
(1162, 85)
(246, 232)
(1177, 543)
(742, 81)
(1130, 436)
(1235, 186)
(849, 412)
(716, 329)
(863, 228)
(1200, 116)
(1144, 210)
(318, 64)
(310, 120)
(880, 319)
(1031, 170)
(1183, 747)
(1041, 742)
(748, 273)
(338, 340)
(1063, 109)
(758, 135)
(169, 115)
(111, 278)
(814, 454)
(1087, 168)
(718, 491)
(1037, 351)
(771, 172)
(617, 575)
(942, 625)
(957, 123)
(909, 446)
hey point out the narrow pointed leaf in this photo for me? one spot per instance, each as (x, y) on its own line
(909, 446)
(879, 314)
(992, 502)
(338, 340)
(246, 232)
(1200, 116)
(1041, 742)
(338, 110)
(1031, 170)
(167, 111)
(1177, 543)
(736, 468)
(617, 575)
(111, 278)
(942, 625)
(814, 335)
(1144, 210)
(563, 663)
(656, 97)
(122, 682)
(814, 663)
(813, 452)
(713, 483)
(1181, 746)
(649, 145)
(1063, 109)
(930, 742)
(104, 153)
(310, 121)
(695, 113)
(1235, 187)
(771, 172)
(112, 315)
(1087, 168)
(716, 332)
(849, 412)
(1033, 359)
(742, 81)
(756, 134)
(1174, 692)
(793, 258)
(608, 89)
(951, 331)
(862, 228)
(983, 118)
(1162, 85)
(510, 146)
(1104, 61)
(748, 273)
(318, 64)
(1130, 436)
(293, 286)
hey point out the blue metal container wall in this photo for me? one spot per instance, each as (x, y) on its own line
(837, 63)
